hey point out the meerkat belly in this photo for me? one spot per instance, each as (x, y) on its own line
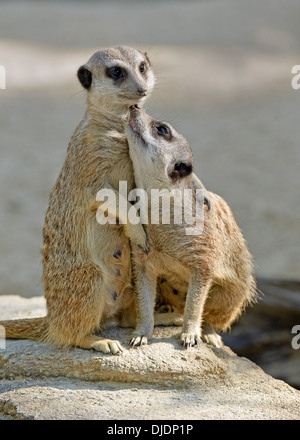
(108, 247)
(172, 281)
(110, 250)
(174, 245)
(165, 266)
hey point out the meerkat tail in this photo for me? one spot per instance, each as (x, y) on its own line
(29, 328)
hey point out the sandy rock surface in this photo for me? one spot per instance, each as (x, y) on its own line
(158, 381)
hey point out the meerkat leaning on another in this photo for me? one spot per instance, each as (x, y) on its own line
(215, 264)
(86, 266)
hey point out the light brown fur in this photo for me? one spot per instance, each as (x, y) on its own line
(213, 267)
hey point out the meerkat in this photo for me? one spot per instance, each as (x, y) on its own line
(214, 267)
(86, 266)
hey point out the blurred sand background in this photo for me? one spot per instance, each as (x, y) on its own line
(223, 79)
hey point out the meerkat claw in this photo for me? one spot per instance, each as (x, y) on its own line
(207, 202)
(138, 341)
(190, 340)
(145, 248)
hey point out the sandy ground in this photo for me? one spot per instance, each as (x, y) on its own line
(223, 79)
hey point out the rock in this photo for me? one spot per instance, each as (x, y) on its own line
(264, 333)
(158, 381)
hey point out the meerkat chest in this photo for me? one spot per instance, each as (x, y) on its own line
(122, 172)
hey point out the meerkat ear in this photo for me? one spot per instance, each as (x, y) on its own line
(84, 76)
(181, 170)
(147, 58)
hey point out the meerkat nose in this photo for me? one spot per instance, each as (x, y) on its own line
(142, 92)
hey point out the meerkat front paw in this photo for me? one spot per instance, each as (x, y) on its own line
(142, 240)
(138, 341)
(138, 236)
(190, 339)
(140, 335)
(145, 246)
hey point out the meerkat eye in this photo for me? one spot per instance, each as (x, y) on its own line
(142, 67)
(162, 130)
(115, 72)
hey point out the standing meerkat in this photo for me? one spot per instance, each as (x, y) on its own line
(86, 266)
(215, 264)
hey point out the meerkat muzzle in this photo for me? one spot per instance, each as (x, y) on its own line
(133, 114)
(134, 124)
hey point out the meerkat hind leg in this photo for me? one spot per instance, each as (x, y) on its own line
(77, 316)
(195, 301)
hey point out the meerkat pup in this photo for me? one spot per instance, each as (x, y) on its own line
(215, 264)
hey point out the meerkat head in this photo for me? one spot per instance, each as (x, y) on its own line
(117, 78)
(162, 158)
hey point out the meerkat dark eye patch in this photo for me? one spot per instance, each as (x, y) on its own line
(116, 73)
(181, 170)
(85, 77)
